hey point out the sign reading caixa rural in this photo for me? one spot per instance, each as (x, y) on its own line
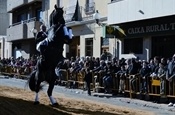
(151, 27)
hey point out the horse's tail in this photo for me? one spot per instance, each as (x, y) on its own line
(32, 81)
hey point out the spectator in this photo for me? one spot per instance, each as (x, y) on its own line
(161, 74)
(170, 76)
(122, 76)
(104, 55)
(144, 73)
(132, 70)
(88, 80)
(107, 81)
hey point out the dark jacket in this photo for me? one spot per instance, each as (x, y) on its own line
(88, 77)
(40, 37)
(145, 72)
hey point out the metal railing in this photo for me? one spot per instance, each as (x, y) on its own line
(116, 0)
(23, 22)
(84, 13)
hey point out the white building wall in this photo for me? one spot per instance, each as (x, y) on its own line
(82, 44)
(97, 41)
(132, 10)
(4, 17)
(6, 47)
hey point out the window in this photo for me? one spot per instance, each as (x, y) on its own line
(104, 41)
(39, 14)
(133, 45)
(22, 17)
(29, 15)
(89, 47)
(90, 7)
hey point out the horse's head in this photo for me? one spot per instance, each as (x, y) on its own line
(57, 16)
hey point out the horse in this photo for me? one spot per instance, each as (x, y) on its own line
(45, 70)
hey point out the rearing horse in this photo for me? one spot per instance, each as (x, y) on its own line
(45, 70)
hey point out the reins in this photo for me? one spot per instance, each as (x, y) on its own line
(54, 32)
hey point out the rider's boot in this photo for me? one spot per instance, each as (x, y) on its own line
(42, 53)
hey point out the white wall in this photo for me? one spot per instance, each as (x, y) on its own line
(6, 47)
(4, 17)
(128, 10)
(97, 41)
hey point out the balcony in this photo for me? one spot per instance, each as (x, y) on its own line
(32, 23)
(11, 5)
(79, 13)
(16, 32)
(71, 13)
(30, 1)
(22, 30)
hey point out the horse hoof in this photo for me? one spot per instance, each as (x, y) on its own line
(55, 104)
(36, 103)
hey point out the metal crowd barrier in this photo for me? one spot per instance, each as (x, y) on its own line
(18, 72)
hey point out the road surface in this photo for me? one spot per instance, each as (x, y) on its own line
(158, 109)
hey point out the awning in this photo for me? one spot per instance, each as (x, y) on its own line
(113, 32)
(71, 11)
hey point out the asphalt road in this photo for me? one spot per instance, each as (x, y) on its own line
(158, 109)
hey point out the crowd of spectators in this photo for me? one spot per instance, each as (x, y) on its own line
(19, 65)
(156, 67)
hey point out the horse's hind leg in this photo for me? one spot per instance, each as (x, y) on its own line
(36, 99)
(49, 93)
(37, 93)
(37, 89)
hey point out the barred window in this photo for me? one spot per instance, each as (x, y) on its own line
(90, 7)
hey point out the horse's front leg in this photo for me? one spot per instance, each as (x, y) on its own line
(37, 93)
(49, 93)
(36, 99)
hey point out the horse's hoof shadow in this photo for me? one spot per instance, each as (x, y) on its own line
(36, 103)
(55, 105)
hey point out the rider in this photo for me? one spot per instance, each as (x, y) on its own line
(41, 35)
(42, 42)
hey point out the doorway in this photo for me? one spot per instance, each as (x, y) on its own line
(74, 49)
(163, 46)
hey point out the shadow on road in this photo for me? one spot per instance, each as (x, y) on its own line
(11, 106)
